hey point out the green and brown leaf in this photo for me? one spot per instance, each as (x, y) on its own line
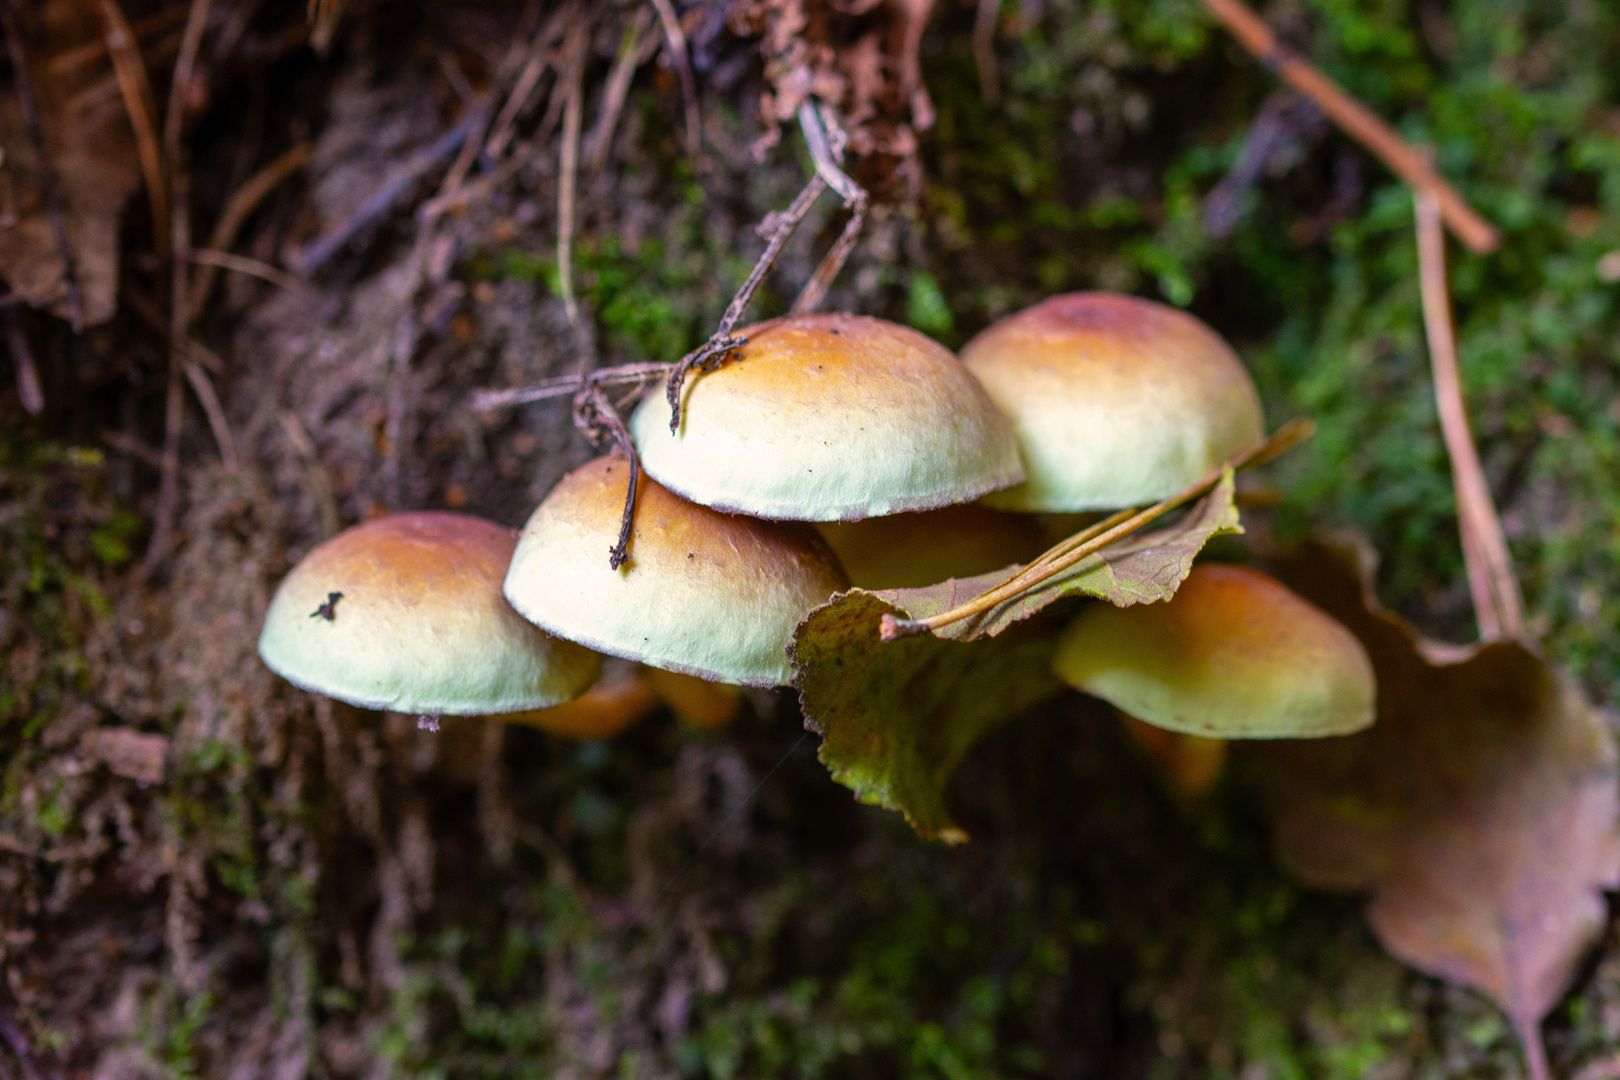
(897, 717)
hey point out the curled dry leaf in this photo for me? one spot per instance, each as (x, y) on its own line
(89, 140)
(1479, 811)
(897, 717)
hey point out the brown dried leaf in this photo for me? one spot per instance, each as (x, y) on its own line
(1141, 570)
(90, 143)
(1479, 811)
(897, 717)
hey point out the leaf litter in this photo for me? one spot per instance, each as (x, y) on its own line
(1479, 812)
(897, 717)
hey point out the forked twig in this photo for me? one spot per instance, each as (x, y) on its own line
(1491, 581)
(777, 228)
(827, 151)
(595, 414)
(1358, 121)
(1093, 539)
(49, 182)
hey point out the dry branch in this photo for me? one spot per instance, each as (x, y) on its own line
(1497, 605)
(1358, 121)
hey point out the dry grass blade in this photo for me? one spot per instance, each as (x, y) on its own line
(22, 361)
(185, 67)
(984, 51)
(676, 40)
(1497, 604)
(214, 411)
(238, 208)
(1357, 121)
(224, 260)
(140, 104)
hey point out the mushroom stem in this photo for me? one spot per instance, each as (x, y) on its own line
(1093, 539)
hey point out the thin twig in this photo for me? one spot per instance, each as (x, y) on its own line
(1358, 121)
(315, 254)
(777, 228)
(984, 51)
(573, 109)
(214, 411)
(174, 410)
(238, 208)
(69, 60)
(22, 362)
(128, 444)
(539, 57)
(184, 68)
(1497, 604)
(828, 154)
(49, 182)
(139, 103)
(564, 385)
(595, 414)
(675, 39)
(1091, 540)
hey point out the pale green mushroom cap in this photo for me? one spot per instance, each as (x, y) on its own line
(830, 418)
(703, 593)
(1116, 401)
(421, 626)
(1233, 655)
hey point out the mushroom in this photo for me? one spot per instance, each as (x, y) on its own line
(619, 699)
(904, 551)
(405, 613)
(830, 418)
(1116, 401)
(704, 593)
(697, 703)
(1232, 655)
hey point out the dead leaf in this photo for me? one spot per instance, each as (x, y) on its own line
(1479, 811)
(93, 150)
(897, 717)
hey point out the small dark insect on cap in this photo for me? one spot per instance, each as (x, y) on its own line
(328, 610)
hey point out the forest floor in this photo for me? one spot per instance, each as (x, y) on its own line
(204, 872)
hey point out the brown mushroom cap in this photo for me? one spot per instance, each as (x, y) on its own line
(1116, 401)
(705, 593)
(421, 625)
(1233, 654)
(830, 418)
(619, 700)
(905, 551)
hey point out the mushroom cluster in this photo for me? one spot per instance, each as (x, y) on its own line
(830, 451)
